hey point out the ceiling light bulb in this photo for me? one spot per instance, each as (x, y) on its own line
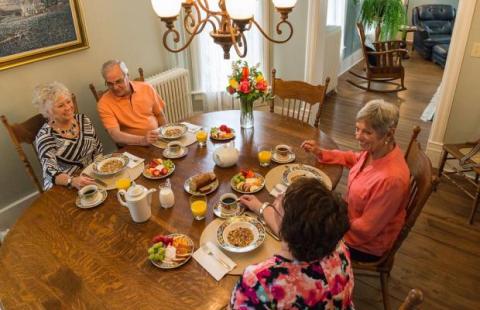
(240, 9)
(167, 8)
(284, 4)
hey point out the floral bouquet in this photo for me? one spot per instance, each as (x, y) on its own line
(248, 84)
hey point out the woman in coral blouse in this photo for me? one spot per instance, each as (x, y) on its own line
(378, 182)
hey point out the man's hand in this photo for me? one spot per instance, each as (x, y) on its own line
(151, 137)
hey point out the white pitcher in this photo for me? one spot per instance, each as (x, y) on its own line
(138, 200)
(226, 155)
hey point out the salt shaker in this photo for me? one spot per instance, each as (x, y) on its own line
(165, 194)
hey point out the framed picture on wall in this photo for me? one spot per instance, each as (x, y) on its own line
(32, 30)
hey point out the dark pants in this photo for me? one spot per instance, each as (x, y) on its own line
(360, 256)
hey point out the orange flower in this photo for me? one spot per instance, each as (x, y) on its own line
(245, 73)
(261, 85)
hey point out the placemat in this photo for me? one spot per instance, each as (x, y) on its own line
(188, 139)
(475, 158)
(274, 176)
(269, 247)
(130, 173)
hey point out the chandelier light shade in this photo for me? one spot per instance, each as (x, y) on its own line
(229, 21)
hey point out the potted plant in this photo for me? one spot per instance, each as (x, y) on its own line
(385, 15)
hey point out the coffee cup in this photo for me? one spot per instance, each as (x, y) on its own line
(283, 150)
(229, 202)
(88, 193)
(174, 147)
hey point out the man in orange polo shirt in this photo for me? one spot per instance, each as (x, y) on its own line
(131, 111)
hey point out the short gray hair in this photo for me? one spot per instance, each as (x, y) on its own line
(45, 95)
(380, 115)
(112, 63)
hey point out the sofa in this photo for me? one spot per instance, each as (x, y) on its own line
(434, 24)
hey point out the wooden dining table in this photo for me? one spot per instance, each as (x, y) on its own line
(61, 256)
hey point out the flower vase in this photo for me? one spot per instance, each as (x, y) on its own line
(246, 113)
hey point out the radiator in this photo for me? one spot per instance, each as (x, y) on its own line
(174, 88)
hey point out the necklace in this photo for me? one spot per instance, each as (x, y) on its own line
(71, 131)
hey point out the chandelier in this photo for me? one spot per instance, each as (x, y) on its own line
(229, 23)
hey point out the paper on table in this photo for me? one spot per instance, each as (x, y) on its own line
(192, 127)
(278, 189)
(213, 263)
(133, 160)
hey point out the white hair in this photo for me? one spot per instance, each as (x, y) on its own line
(380, 115)
(112, 63)
(45, 95)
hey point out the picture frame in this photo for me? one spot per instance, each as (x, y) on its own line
(39, 29)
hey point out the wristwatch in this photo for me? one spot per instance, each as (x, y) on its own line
(69, 182)
(262, 209)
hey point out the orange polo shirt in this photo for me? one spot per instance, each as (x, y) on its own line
(136, 114)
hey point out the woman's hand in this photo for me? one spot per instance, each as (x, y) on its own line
(311, 146)
(251, 202)
(81, 181)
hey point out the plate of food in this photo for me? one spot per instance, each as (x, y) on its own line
(202, 183)
(222, 133)
(170, 251)
(292, 173)
(172, 131)
(247, 182)
(108, 165)
(240, 234)
(158, 168)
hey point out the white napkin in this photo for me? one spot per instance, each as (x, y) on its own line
(192, 127)
(133, 160)
(278, 189)
(212, 263)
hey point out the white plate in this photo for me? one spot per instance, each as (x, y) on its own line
(222, 139)
(101, 196)
(257, 175)
(219, 211)
(151, 177)
(180, 129)
(213, 187)
(102, 160)
(293, 172)
(171, 265)
(166, 153)
(283, 159)
(232, 223)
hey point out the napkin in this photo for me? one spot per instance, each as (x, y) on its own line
(213, 262)
(278, 189)
(133, 160)
(192, 127)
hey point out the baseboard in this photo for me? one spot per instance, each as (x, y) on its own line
(434, 152)
(10, 213)
(349, 62)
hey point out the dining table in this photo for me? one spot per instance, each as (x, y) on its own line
(60, 256)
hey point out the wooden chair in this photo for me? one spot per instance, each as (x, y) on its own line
(26, 132)
(421, 184)
(383, 65)
(97, 94)
(412, 301)
(298, 98)
(468, 163)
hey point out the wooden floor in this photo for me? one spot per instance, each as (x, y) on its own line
(441, 256)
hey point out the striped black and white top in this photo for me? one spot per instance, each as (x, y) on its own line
(58, 154)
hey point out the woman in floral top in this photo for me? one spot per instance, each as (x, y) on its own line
(313, 269)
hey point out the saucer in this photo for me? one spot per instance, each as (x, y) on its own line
(101, 196)
(166, 153)
(218, 211)
(283, 159)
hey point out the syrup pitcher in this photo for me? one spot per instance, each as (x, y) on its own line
(138, 200)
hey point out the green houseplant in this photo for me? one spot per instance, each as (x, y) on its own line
(385, 15)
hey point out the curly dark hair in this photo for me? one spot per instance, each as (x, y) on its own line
(315, 219)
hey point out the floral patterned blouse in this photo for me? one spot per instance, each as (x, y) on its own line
(280, 283)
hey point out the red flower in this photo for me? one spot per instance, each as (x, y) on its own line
(231, 90)
(261, 85)
(245, 73)
(245, 86)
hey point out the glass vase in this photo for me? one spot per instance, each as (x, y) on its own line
(246, 113)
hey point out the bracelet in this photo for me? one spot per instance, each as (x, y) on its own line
(262, 209)
(69, 182)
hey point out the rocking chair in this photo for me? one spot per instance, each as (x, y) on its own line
(382, 65)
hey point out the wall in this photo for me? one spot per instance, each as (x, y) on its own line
(465, 112)
(414, 3)
(115, 29)
(351, 41)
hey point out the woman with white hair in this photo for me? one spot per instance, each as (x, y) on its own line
(67, 142)
(378, 182)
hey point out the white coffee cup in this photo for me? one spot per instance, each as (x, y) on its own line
(283, 150)
(88, 194)
(229, 202)
(174, 147)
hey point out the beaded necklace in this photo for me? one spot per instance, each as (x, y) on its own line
(71, 131)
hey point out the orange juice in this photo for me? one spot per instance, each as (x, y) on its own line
(264, 157)
(199, 209)
(123, 183)
(201, 137)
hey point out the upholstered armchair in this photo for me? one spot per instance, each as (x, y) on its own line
(434, 26)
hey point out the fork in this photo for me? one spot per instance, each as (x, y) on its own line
(207, 250)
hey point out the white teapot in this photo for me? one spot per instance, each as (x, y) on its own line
(138, 200)
(226, 155)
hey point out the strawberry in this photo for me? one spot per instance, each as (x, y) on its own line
(156, 172)
(250, 174)
(157, 239)
(152, 164)
(228, 130)
(164, 171)
(223, 127)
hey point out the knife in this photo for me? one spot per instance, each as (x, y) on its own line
(98, 181)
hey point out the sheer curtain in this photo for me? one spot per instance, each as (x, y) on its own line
(210, 70)
(336, 15)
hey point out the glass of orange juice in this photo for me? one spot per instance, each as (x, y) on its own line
(264, 155)
(123, 183)
(198, 205)
(201, 137)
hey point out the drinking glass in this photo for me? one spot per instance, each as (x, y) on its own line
(264, 155)
(201, 137)
(123, 183)
(198, 206)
